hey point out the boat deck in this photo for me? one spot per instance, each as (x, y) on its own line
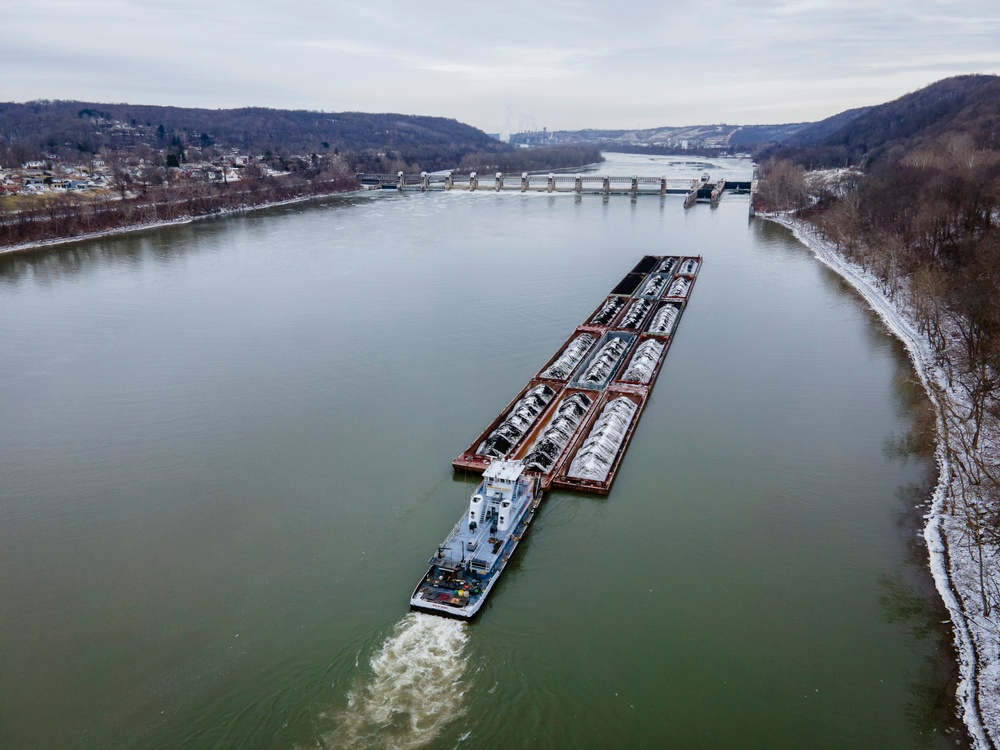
(467, 565)
(451, 588)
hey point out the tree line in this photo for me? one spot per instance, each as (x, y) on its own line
(530, 159)
(61, 216)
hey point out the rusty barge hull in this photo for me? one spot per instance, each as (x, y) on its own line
(573, 421)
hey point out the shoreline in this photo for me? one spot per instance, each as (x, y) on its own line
(38, 245)
(939, 532)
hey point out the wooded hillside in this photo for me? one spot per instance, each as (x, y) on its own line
(73, 130)
(887, 132)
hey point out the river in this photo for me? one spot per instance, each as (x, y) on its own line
(225, 458)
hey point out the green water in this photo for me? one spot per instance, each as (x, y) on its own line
(225, 458)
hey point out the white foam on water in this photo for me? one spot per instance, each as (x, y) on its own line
(413, 690)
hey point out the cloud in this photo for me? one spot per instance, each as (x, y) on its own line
(565, 63)
(506, 75)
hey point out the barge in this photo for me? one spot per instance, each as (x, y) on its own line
(619, 347)
(569, 427)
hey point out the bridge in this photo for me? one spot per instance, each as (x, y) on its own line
(702, 189)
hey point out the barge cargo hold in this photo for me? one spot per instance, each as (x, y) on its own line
(593, 460)
(569, 427)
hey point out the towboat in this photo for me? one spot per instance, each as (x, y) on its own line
(468, 563)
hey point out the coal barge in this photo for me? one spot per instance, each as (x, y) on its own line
(569, 428)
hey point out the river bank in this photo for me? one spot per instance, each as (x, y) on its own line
(69, 218)
(958, 556)
(27, 247)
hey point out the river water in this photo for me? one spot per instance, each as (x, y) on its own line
(225, 458)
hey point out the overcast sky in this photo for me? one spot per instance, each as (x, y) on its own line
(561, 64)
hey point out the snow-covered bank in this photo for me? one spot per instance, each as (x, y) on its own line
(142, 226)
(42, 244)
(958, 563)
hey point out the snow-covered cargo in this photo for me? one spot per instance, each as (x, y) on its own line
(609, 363)
(593, 460)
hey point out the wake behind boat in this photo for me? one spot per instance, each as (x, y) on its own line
(471, 559)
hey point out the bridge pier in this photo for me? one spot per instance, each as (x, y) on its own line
(524, 181)
(425, 181)
(499, 181)
(663, 186)
(448, 182)
(473, 181)
(635, 185)
(579, 184)
(552, 182)
(400, 181)
(606, 187)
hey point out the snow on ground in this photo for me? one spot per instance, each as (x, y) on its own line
(836, 181)
(957, 563)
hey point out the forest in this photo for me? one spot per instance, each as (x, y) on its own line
(886, 133)
(72, 131)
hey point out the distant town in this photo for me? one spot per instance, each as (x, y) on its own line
(689, 138)
(127, 157)
(54, 176)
